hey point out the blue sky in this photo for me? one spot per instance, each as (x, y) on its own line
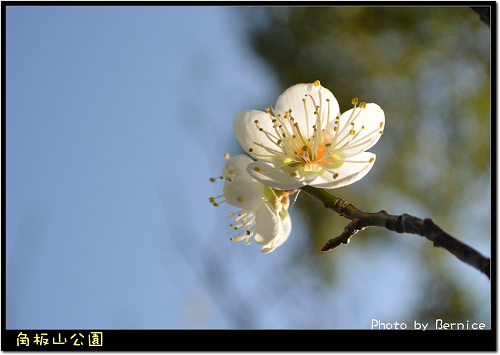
(116, 119)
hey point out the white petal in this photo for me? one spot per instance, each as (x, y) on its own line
(248, 134)
(244, 192)
(292, 99)
(270, 230)
(280, 178)
(372, 118)
(348, 173)
(286, 228)
(236, 166)
(267, 224)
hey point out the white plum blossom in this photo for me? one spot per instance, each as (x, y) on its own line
(263, 217)
(305, 140)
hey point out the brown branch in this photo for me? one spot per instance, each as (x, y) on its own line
(400, 224)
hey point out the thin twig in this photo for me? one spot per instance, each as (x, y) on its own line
(404, 223)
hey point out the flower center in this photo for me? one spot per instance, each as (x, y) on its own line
(321, 145)
(311, 148)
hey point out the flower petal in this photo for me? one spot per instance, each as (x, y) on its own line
(270, 230)
(267, 223)
(235, 166)
(248, 134)
(348, 173)
(372, 118)
(280, 178)
(286, 228)
(244, 192)
(292, 99)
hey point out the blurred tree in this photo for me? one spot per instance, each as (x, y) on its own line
(429, 69)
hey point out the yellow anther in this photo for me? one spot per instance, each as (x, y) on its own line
(381, 132)
(227, 154)
(211, 200)
(216, 204)
(381, 124)
(371, 160)
(250, 150)
(317, 83)
(267, 109)
(362, 105)
(212, 180)
(257, 169)
(354, 101)
(336, 175)
(352, 132)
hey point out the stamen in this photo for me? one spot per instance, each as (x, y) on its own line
(296, 125)
(212, 200)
